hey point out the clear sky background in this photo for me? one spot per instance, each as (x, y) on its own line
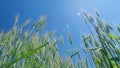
(62, 15)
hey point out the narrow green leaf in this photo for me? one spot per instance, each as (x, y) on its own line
(113, 36)
(97, 48)
(118, 28)
(77, 52)
(70, 38)
(115, 59)
(97, 13)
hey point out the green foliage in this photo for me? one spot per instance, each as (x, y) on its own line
(32, 49)
(104, 52)
(105, 46)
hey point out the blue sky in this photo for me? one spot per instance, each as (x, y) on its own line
(62, 15)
